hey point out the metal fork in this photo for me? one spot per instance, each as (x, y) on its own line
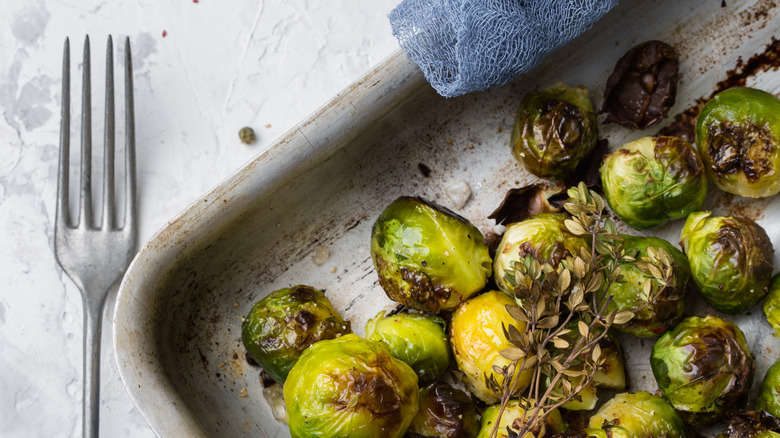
(94, 255)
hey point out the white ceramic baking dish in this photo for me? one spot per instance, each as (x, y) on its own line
(179, 309)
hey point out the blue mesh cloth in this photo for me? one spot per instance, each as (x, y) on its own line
(468, 45)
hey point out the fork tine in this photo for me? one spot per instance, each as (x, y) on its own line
(108, 156)
(63, 216)
(85, 211)
(130, 201)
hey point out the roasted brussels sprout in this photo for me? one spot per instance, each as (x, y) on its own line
(752, 424)
(737, 134)
(418, 340)
(477, 338)
(769, 392)
(352, 387)
(643, 86)
(653, 180)
(515, 408)
(543, 236)
(427, 257)
(555, 128)
(730, 258)
(772, 304)
(283, 324)
(666, 307)
(703, 367)
(638, 415)
(445, 412)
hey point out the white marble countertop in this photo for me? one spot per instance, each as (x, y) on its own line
(203, 69)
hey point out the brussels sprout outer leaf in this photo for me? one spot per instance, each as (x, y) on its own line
(543, 236)
(752, 424)
(703, 367)
(350, 387)
(667, 307)
(772, 304)
(477, 338)
(737, 135)
(418, 340)
(428, 258)
(552, 425)
(636, 415)
(731, 260)
(554, 130)
(445, 412)
(769, 392)
(654, 179)
(283, 324)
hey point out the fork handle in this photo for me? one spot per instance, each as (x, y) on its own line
(93, 328)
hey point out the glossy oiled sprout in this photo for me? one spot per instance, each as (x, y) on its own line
(519, 409)
(554, 129)
(477, 338)
(283, 324)
(638, 415)
(772, 304)
(543, 236)
(427, 257)
(737, 134)
(703, 367)
(730, 258)
(658, 309)
(350, 387)
(418, 340)
(769, 393)
(445, 412)
(652, 180)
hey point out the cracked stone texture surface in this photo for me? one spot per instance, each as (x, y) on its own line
(203, 69)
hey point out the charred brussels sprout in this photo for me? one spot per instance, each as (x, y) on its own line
(772, 304)
(703, 367)
(445, 412)
(427, 257)
(769, 393)
(418, 340)
(730, 258)
(515, 409)
(653, 180)
(543, 236)
(283, 324)
(737, 134)
(638, 415)
(350, 387)
(477, 338)
(752, 424)
(554, 130)
(666, 306)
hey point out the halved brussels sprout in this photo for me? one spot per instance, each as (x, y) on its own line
(418, 340)
(283, 324)
(515, 409)
(554, 129)
(769, 392)
(737, 134)
(653, 180)
(667, 307)
(428, 258)
(638, 415)
(477, 338)
(445, 412)
(772, 304)
(350, 387)
(543, 236)
(703, 367)
(752, 424)
(731, 260)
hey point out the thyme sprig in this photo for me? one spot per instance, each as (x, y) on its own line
(563, 312)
